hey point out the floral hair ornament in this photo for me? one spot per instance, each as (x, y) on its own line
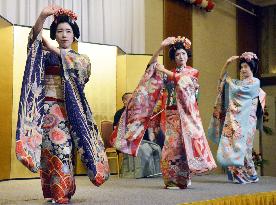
(66, 12)
(208, 5)
(186, 42)
(249, 56)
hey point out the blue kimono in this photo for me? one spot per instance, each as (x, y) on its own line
(50, 125)
(238, 106)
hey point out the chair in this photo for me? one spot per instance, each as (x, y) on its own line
(111, 152)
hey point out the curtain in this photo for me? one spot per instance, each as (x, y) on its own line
(268, 39)
(113, 22)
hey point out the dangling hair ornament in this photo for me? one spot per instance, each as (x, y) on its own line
(66, 12)
(249, 56)
(186, 42)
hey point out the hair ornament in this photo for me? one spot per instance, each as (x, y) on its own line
(249, 56)
(66, 12)
(186, 42)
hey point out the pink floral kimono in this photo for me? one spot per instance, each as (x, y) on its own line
(186, 149)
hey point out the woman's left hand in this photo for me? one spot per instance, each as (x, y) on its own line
(160, 68)
(228, 79)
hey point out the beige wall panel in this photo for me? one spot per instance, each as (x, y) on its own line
(6, 72)
(153, 25)
(120, 78)
(269, 142)
(135, 68)
(214, 40)
(100, 91)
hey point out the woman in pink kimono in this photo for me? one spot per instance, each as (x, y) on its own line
(186, 150)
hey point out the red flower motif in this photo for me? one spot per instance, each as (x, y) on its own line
(100, 167)
(49, 121)
(198, 2)
(19, 150)
(58, 111)
(58, 136)
(210, 6)
(99, 180)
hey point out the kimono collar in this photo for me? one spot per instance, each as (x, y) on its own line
(179, 69)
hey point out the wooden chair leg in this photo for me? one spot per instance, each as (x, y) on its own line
(118, 168)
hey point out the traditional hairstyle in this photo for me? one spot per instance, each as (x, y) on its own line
(252, 60)
(64, 16)
(180, 43)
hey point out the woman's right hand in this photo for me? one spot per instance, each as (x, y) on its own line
(49, 10)
(168, 41)
(231, 59)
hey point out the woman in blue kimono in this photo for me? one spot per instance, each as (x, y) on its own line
(54, 116)
(238, 106)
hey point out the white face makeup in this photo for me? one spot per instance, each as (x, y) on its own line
(245, 71)
(181, 57)
(64, 35)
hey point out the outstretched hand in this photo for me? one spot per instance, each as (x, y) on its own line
(49, 10)
(231, 59)
(168, 41)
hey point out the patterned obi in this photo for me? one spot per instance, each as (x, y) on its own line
(171, 107)
(54, 84)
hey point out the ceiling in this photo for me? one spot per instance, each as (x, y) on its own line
(263, 2)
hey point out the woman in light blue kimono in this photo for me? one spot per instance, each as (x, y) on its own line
(238, 107)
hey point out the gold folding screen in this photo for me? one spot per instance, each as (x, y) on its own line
(113, 73)
(6, 62)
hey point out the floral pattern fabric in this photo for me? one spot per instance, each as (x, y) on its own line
(234, 119)
(57, 171)
(174, 165)
(47, 132)
(136, 117)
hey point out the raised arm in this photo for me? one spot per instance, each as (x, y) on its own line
(47, 11)
(224, 68)
(48, 47)
(168, 41)
(162, 69)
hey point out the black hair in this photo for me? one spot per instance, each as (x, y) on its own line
(64, 19)
(177, 46)
(253, 64)
(123, 96)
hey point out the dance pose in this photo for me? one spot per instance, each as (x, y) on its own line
(239, 105)
(185, 149)
(54, 116)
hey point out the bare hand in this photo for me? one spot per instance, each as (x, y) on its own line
(231, 59)
(168, 41)
(228, 79)
(49, 10)
(160, 68)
